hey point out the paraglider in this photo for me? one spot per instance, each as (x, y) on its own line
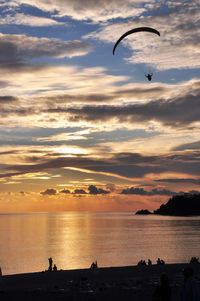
(149, 76)
(138, 29)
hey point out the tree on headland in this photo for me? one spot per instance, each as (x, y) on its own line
(186, 204)
(181, 205)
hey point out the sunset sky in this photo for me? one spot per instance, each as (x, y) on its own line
(83, 129)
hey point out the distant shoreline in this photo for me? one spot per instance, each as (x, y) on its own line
(83, 270)
(107, 271)
(80, 270)
(101, 283)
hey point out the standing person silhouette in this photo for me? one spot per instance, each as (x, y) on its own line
(189, 290)
(163, 291)
(50, 264)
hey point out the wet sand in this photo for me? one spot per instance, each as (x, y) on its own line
(112, 283)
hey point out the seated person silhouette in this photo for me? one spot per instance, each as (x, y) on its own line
(94, 265)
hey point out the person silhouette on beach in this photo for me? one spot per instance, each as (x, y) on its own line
(50, 264)
(163, 291)
(94, 265)
(194, 260)
(189, 290)
(160, 261)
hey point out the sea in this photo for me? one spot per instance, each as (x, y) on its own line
(75, 239)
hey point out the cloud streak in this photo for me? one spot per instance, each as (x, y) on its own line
(92, 10)
(17, 48)
(177, 112)
(29, 20)
(155, 191)
(48, 192)
(127, 165)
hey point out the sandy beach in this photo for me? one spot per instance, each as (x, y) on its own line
(117, 283)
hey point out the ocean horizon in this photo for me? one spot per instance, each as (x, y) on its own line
(75, 239)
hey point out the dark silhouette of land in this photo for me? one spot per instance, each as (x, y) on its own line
(179, 205)
(143, 211)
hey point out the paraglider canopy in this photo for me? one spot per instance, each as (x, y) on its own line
(138, 29)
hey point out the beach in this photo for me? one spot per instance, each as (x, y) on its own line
(106, 283)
